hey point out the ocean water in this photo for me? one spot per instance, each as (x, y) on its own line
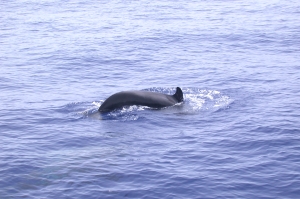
(236, 135)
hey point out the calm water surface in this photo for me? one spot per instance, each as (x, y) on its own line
(236, 135)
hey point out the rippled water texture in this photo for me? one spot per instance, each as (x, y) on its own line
(236, 135)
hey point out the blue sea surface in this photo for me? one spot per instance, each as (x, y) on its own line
(236, 135)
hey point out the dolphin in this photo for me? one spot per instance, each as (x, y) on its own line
(142, 98)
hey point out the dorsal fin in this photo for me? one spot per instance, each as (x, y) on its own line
(178, 95)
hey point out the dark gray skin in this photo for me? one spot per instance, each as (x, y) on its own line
(142, 98)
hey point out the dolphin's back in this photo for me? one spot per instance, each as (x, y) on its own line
(143, 98)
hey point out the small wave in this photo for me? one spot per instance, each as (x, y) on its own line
(197, 100)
